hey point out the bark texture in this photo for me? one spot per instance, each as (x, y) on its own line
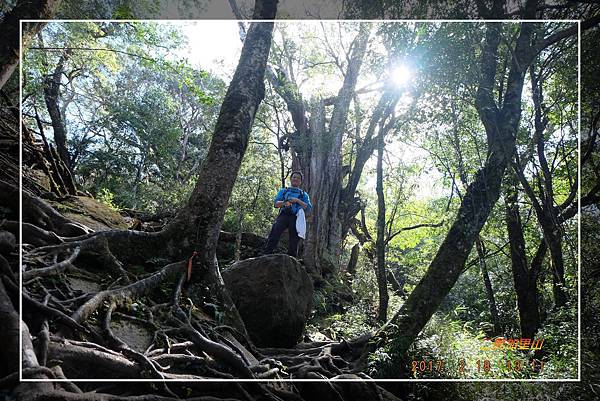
(381, 233)
(197, 226)
(524, 277)
(52, 84)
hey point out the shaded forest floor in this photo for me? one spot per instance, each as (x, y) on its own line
(90, 316)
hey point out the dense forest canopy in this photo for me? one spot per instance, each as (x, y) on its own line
(447, 164)
(138, 120)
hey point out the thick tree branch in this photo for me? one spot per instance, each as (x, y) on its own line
(565, 33)
(391, 237)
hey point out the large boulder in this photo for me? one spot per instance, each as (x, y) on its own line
(273, 294)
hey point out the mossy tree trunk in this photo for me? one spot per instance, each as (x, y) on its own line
(52, 84)
(196, 226)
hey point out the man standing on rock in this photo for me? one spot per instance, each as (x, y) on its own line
(293, 202)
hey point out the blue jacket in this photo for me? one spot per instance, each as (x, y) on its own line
(293, 192)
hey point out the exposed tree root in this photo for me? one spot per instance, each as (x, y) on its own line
(220, 351)
(121, 295)
(62, 396)
(53, 269)
(35, 236)
(75, 336)
(13, 378)
(46, 310)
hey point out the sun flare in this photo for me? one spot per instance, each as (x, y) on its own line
(401, 75)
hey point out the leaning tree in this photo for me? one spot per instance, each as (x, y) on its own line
(501, 122)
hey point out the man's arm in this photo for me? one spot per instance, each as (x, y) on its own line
(279, 201)
(309, 205)
(305, 205)
(300, 202)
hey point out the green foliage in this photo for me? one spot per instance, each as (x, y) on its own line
(140, 124)
(128, 9)
(559, 342)
(138, 118)
(449, 348)
(351, 322)
(251, 203)
(123, 11)
(330, 298)
(108, 198)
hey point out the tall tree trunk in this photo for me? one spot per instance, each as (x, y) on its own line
(479, 245)
(550, 220)
(349, 203)
(52, 96)
(523, 277)
(316, 151)
(9, 31)
(548, 213)
(553, 239)
(322, 246)
(61, 181)
(381, 232)
(196, 226)
(489, 290)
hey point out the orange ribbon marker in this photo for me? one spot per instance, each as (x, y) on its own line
(190, 262)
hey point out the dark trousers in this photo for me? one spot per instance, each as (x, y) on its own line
(282, 222)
